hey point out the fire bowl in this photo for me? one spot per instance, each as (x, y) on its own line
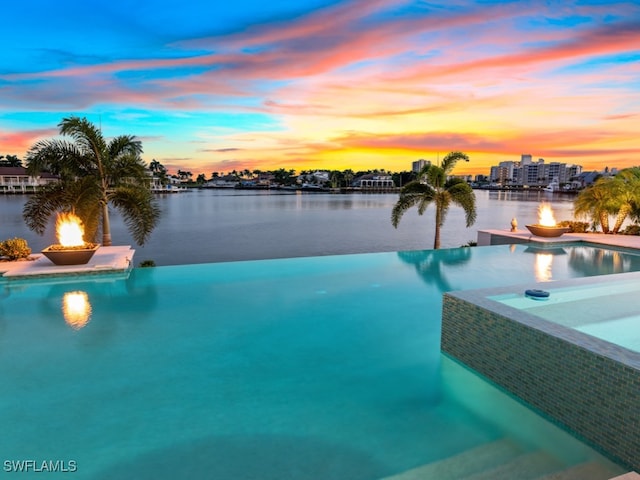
(543, 231)
(60, 255)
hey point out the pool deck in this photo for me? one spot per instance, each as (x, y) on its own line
(501, 237)
(115, 259)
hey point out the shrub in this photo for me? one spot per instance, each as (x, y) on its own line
(147, 263)
(631, 230)
(574, 227)
(15, 249)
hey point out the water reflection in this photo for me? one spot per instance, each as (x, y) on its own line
(597, 261)
(543, 263)
(98, 306)
(428, 264)
(76, 309)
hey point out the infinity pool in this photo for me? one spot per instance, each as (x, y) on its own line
(308, 368)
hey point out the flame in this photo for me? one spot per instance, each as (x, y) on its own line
(545, 215)
(76, 309)
(69, 230)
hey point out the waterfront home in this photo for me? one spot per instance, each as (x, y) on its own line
(17, 180)
(374, 181)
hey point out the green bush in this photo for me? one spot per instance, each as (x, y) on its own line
(14, 249)
(575, 227)
(631, 230)
(147, 263)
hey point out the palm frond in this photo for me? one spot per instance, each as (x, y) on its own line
(138, 209)
(404, 203)
(128, 168)
(462, 195)
(450, 160)
(55, 156)
(436, 177)
(416, 187)
(86, 135)
(125, 145)
(42, 205)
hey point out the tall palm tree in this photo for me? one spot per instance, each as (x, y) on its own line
(94, 174)
(432, 186)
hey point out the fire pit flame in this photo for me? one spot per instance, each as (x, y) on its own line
(547, 226)
(545, 215)
(71, 249)
(70, 230)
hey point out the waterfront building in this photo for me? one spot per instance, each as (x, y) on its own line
(419, 165)
(503, 173)
(374, 181)
(17, 180)
(533, 174)
(529, 174)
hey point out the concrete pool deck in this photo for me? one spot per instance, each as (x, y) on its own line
(502, 237)
(115, 259)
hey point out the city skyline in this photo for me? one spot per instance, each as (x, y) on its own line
(330, 84)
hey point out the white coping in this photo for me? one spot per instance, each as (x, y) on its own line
(627, 476)
(106, 259)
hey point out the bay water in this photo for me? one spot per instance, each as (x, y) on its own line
(206, 226)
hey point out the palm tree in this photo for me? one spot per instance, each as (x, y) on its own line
(595, 202)
(626, 194)
(93, 175)
(432, 186)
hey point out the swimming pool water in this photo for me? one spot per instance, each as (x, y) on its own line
(608, 311)
(323, 367)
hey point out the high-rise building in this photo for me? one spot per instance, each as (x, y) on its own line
(419, 165)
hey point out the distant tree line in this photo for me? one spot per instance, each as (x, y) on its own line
(10, 161)
(282, 176)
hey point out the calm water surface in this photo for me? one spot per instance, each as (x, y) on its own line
(203, 226)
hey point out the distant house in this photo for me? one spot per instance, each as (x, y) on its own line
(318, 177)
(374, 181)
(17, 180)
(228, 181)
(586, 178)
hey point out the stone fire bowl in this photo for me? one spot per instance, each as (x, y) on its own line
(542, 231)
(70, 256)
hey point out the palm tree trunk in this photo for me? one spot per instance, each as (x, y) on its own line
(436, 239)
(620, 218)
(106, 227)
(604, 222)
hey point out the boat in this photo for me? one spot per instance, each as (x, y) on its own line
(554, 186)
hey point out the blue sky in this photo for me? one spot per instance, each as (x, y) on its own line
(216, 86)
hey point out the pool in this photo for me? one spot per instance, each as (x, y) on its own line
(608, 311)
(322, 367)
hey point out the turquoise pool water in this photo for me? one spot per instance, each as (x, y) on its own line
(608, 311)
(323, 367)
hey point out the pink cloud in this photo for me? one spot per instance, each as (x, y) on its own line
(18, 142)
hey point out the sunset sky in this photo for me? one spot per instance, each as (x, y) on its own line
(215, 86)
